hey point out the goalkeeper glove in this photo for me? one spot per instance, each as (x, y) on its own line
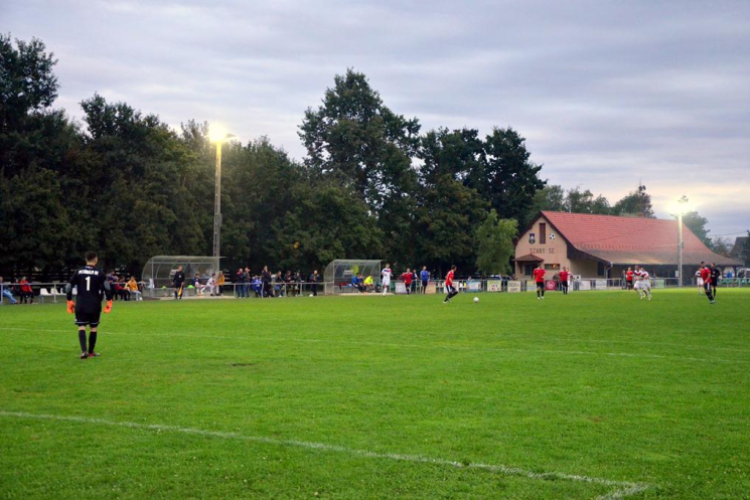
(71, 307)
(108, 307)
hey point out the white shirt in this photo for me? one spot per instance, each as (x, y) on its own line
(386, 273)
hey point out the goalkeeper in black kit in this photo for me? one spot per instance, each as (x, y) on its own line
(92, 285)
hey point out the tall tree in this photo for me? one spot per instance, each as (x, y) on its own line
(697, 225)
(584, 202)
(354, 138)
(635, 204)
(447, 209)
(495, 244)
(722, 246)
(506, 178)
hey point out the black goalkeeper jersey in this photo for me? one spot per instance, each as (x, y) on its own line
(92, 286)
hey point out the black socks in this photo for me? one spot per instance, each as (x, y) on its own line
(92, 342)
(82, 339)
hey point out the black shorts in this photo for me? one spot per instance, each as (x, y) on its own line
(540, 285)
(630, 284)
(88, 318)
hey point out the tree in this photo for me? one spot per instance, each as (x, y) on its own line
(697, 224)
(635, 204)
(722, 246)
(745, 254)
(354, 138)
(446, 208)
(506, 178)
(328, 221)
(495, 244)
(583, 202)
(27, 84)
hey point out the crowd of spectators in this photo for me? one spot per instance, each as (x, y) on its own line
(269, 285)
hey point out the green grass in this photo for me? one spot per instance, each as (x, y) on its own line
(600, 385)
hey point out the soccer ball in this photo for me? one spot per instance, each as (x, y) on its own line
(476, 299)
(311, 295)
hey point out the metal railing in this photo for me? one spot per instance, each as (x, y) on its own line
(55, 292)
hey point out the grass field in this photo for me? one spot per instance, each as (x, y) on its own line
(591, 395)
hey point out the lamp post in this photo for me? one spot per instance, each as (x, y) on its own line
(682, 203)
(218, 136)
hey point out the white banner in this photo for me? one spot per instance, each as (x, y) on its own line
(514, 286)
(400, 287)
(530, 286)
(584, 285)
(601, 284)
(495, 286)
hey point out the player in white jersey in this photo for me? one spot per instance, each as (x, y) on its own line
(643, 283)
(386, 274)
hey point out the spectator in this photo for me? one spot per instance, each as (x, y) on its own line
(239, 283)
(425, 277)
(278, 284)
(220, 280)
(197, 284)
(132, 287)
(414, 279)
(298, 283)
(257, 286)
(369, 284)
(357, 282)
(120, 291)
(288, 287)
(27, 294)
(211, 285)
(246, 279)
(265, 278)
(5, 291)
(314, 278)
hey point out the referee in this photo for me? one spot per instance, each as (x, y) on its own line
(91, 284)
(178, 281)
(715, 277)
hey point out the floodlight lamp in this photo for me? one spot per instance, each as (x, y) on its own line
(217, 133)
(680, 206)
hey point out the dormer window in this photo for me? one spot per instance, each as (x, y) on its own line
(532, 238)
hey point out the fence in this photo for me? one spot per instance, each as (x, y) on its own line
(55, 292)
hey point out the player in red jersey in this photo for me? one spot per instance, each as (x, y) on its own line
(706, 276)
(539, 278)
(564, 275)
(629, 278)
(452, 292)
(407, 277)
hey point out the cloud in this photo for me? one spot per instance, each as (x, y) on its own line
(606, 93)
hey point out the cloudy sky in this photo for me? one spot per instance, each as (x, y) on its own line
(607, 94)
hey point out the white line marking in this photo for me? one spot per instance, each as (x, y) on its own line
(624, 488)
(422, 346)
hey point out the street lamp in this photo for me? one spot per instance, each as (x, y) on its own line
(681, 208)
(218, 135)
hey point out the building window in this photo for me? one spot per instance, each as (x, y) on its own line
(599, 269)
(532, 238)
(528, 269)
(542, 233)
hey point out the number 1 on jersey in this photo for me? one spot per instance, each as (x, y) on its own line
(88, 283)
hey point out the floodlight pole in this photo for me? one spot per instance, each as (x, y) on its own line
(217, 203)
(680, 245)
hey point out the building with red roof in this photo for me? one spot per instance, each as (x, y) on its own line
(600, 246)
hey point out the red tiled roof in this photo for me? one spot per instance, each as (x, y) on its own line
(630, 240)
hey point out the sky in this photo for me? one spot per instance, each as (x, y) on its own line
(608, 94)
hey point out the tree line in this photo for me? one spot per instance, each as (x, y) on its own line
(372, 184)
